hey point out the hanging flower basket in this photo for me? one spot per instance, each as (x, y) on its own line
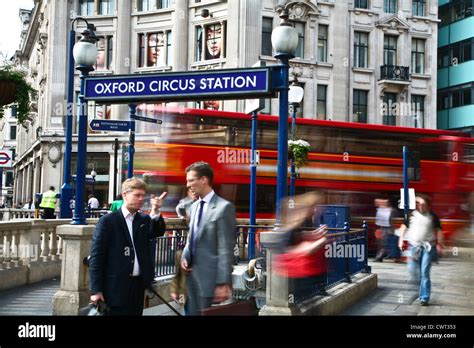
(7, 92)
(14, 88)
(298, 151)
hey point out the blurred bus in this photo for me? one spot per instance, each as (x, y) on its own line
(351, 163)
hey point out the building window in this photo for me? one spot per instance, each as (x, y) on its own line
(141, 50)
(390, 6)
(12, 132)
(299, 52)
(145, 5)
(107, 7)
(455, 11)
(322, 43)
(87, 7)
(418, 56)
(169, 49)
(389, 109)
(456, 53)
(390, 50)
(361, 4)
(361, 49)
(321, 107)
(164, 4)
(104, 53)
(158, 52)
(418, 8)
(418, 110)
(267, 27)
(359, 106)
(9, 179)
(14, 111)
(213, 44)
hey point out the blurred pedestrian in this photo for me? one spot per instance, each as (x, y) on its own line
(208, 256)
(387, 241)
(48, 203)
(421, 237)
(303, 258)
(117, 203)
(183, 209)
(93, 202)
(30, 205)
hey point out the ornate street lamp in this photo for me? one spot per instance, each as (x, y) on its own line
(295, 97)
(284, 42)
(85, 56)
(66, 188)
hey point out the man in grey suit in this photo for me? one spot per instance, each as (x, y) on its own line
(208, 255)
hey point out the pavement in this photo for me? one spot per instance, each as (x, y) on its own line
(452, 292)
(452, 288)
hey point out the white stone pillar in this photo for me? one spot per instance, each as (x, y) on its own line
(74, 292)
(278, 290)
(180, 35)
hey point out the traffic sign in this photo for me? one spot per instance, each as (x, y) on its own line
(110, 125)
(147, 119)
(5, 158)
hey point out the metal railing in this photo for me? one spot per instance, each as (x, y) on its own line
(241, 251)
(346, 254)
(394, 72)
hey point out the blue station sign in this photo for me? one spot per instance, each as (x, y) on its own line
(189, 85)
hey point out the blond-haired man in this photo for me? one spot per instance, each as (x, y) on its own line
(121, 266)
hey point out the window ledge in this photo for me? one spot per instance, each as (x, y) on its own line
(359, 11)
(209, 62)
(151, 12)
(363, 70)
(423, 18)
(421, 76)
(325, 64)
(99, 16)
(101, 72)
(151, 69)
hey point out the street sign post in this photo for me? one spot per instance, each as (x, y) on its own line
(110, 125)
(146, 119)
(5, 158)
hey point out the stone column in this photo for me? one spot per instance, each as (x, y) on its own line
(180, 35)
(278, 290)
(74, 293)
(122, 40)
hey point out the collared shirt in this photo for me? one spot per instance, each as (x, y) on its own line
(206, 199)
(129, 220)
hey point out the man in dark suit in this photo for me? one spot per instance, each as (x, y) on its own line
(121, 266)
(209, 252)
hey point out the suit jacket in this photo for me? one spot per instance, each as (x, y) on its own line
(213, 257)
(113, 256)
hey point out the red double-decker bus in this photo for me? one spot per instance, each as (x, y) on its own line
(351, 163)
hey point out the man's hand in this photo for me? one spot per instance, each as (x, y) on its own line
(184, 267)
(157, 202)
(223, 292)
(97, 297)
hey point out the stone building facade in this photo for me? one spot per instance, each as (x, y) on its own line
(371, 61)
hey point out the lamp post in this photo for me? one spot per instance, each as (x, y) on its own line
(284, 42)
(295, 97)
(66, 188)
(85, 55)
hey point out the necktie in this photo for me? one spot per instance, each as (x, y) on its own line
(201, 206)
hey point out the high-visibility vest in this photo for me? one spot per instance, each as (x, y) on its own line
(48, 200)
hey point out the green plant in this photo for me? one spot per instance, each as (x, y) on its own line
(299, 150)
(23, 92)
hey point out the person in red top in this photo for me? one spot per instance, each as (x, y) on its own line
(303, 258)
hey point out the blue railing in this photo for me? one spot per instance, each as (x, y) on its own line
(164, 251)
(346, 254)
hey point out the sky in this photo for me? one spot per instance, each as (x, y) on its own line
(10, 25)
